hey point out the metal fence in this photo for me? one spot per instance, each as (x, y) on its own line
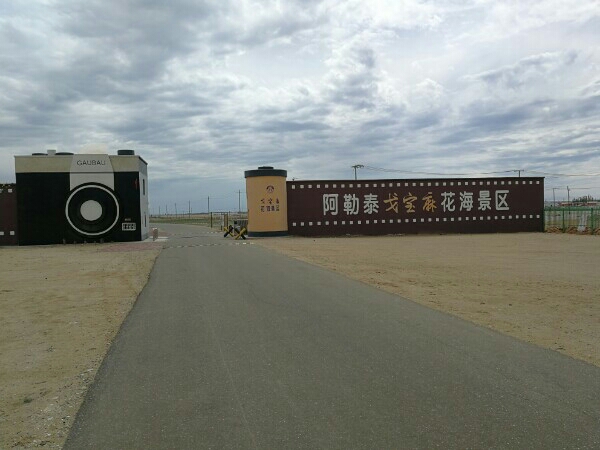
(572, 220)
(217, 220)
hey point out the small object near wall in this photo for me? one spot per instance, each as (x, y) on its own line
(267, 202)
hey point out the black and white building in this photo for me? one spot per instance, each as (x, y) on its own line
(70, 198)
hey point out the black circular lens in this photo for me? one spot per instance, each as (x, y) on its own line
(92, 210)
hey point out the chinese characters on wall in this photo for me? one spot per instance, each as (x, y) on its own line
(269, 203)
(467, 205)
(448, 201)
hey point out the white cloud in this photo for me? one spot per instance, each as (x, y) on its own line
(385, 15)
(527, 70)
(505, 18)
(206, 90)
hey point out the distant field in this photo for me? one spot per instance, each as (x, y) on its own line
(212, 220)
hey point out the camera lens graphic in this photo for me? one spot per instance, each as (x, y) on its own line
(92, 210)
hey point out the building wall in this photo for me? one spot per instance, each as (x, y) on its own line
(8, 214)
(451, 205)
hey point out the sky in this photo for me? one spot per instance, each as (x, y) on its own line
(204, 90)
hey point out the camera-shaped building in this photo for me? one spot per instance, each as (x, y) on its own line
(73, 198)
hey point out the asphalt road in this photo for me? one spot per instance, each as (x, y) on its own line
(237, 347)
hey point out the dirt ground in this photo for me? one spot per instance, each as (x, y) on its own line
(541, 288)
(60, 308)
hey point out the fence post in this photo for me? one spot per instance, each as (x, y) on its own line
(211, 220)
(592, 214)
(544, 220)
(563, 221)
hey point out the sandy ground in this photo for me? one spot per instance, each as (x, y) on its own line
(60, 308)
(541, 288)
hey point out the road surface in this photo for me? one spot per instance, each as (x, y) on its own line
(232, 346)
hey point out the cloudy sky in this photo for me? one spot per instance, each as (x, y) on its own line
(204, 90)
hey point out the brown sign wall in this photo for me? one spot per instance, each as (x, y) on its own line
(451, 205)
(8, 214)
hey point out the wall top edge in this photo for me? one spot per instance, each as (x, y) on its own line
(410, 180)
